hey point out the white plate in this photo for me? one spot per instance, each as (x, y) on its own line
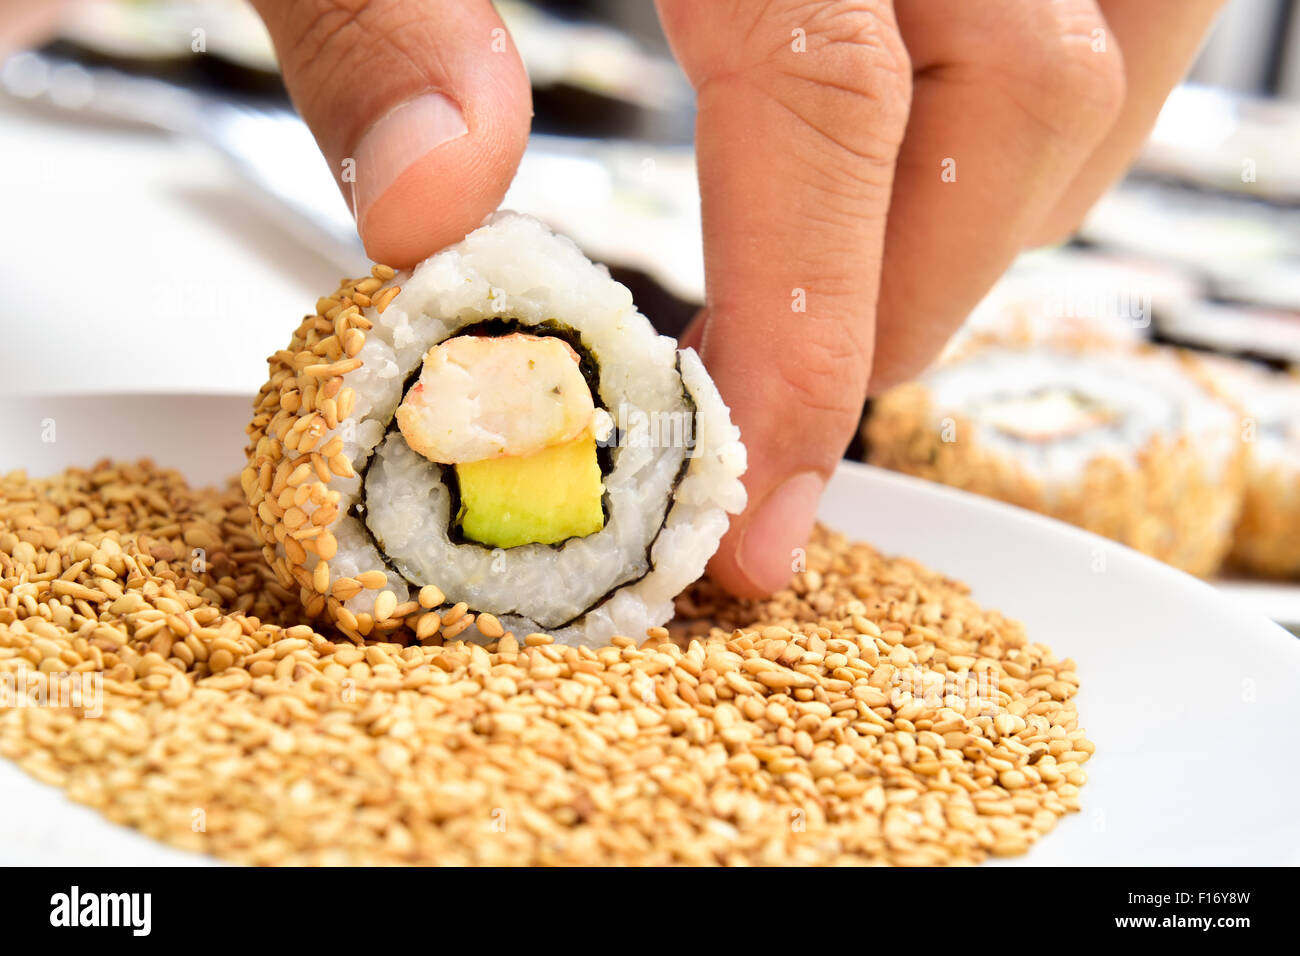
(1188, 695)
(1277, 600)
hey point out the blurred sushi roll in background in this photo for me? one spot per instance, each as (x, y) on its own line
(498, 439)
(1232, 328)
(1069, 295)
(1243, 252)
(1267, 538)
(1124, 442)
(1210, 233)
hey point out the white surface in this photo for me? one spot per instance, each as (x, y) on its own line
(138, 261)
(1189, 697)
(1276, 600)
(135, 262)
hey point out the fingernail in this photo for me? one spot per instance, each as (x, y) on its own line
(782, 524)
(401, 137)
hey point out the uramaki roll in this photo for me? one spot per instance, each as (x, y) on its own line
(498, 433)
(1267, 538)
(1123, 442)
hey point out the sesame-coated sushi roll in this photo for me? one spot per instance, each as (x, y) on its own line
(1267, 537)
(1066, 296)
(497, 440)
(1123, 442)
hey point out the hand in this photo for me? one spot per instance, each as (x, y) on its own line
(867, 170)
(425, 102)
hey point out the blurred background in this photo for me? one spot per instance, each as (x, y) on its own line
(165, 210)
(150, 147)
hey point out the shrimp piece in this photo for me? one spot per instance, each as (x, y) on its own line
(480, 398)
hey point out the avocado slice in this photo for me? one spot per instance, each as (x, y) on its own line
(541, 498)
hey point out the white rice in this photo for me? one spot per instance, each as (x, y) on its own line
(584, 590)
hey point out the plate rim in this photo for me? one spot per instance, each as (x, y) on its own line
(1044, 524)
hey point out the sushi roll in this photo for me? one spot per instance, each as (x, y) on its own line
(1069, 296)
(1267, 538)
(1123, 442)
(1234, 329)
(498, 440)
(1214, 235)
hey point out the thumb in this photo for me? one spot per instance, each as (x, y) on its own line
(421, 107)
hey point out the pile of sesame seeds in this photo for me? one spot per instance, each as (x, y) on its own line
(871, 713)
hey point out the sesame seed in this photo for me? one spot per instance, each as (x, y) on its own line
(341, 367)
(383, 299)
(372, 580)
(327, 546)
(450, 631)
(384, 605)
(427, 626)
(345, 588)
(353, 341)
(339, 465)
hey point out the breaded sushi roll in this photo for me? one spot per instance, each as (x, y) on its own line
(1067, 296)
(1122, 442)
(497, 439)
(1267, 537)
